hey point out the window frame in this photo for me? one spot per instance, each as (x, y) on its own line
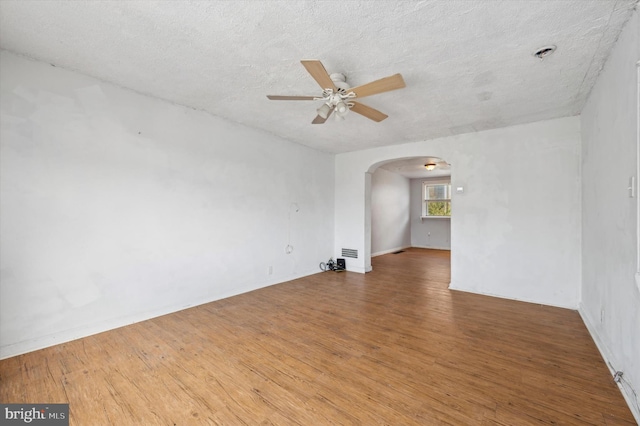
(425, 200)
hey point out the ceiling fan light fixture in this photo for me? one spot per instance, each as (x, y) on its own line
(430, 166)
(324, 110)
(341, 108)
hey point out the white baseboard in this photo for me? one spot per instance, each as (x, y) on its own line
(358, 269)
(380, 253)
(433, 247)
(85, 330)
(519, 299)
(608, 360)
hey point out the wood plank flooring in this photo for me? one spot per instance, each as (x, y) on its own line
(392, 347)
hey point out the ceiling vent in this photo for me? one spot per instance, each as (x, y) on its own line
(545, 51)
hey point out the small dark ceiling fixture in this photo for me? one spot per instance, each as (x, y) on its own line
(545, 51)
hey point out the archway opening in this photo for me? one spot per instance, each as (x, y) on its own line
(408, 204)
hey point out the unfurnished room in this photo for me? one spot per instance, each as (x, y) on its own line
(320, 212)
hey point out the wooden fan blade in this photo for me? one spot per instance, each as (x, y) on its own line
(379, 86)
(291, 98)
(320, 120)
(319, 73)
(367, 111)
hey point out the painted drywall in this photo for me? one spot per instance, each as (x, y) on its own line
(432, 233)
(117, 207)
(516, 228)
(610, 299)
(390, 213)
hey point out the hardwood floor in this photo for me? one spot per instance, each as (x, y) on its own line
(394, 346)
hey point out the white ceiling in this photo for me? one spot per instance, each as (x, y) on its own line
(468, 64)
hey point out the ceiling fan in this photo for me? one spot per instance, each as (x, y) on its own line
(339, 97)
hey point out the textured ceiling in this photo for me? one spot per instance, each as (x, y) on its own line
(468, 64)
(414, 168)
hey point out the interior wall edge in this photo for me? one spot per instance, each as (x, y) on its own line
(432, 247)
(380, 253)
(457, 287)
(608, 358)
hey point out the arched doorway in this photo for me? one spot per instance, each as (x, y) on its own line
(408, 204)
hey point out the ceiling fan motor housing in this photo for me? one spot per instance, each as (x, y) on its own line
(339, 80)
(339, 99)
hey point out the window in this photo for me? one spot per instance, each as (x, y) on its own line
(436, 200)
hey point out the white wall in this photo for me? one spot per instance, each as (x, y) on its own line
(610, 299)
(390, 223)
(118, 207)
(428, 233)
(516, 229)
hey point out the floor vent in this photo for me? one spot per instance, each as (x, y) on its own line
(350, 253)
(398, 252)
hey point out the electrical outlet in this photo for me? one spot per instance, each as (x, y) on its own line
(601, 315)
(618, 376)
(270, 271)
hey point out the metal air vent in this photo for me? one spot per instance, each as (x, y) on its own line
(350, 253)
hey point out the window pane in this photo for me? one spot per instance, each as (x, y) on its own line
(437, 192)
(439, 208)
